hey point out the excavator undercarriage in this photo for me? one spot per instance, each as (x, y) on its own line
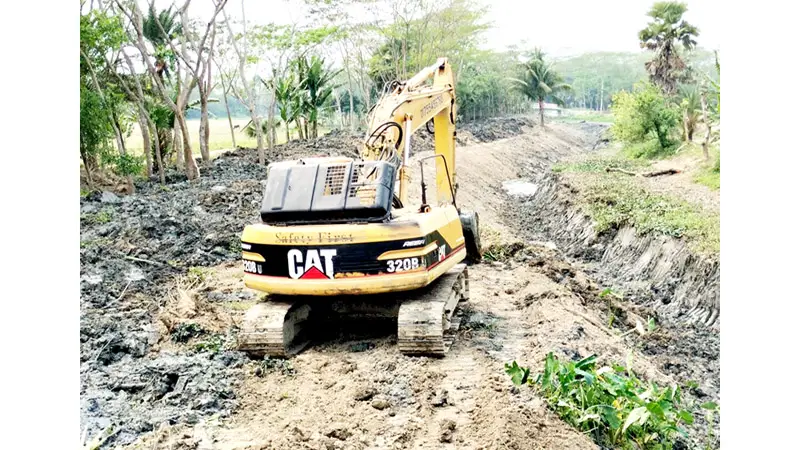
(426, 325)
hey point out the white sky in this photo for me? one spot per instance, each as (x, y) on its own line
(561, 28)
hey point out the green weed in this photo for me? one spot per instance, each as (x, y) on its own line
(213, 344)
(98, 218)
(614, 202)
(502, 252)
(186, 331)
(268, 365)
(197, 274)
(610, 403)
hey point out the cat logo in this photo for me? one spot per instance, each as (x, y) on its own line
(314, 265)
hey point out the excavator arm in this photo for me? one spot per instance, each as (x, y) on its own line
(404, 110)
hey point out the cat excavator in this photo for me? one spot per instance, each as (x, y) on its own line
(340, 235)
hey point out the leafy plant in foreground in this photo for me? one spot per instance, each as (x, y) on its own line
(611, 403)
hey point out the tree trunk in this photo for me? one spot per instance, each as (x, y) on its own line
(190, 166)
(177, 144)
(204, 129)
(287, 131)
(707, 124)
(602, 83)
(299, 124)
(230, 121)
(145, 129)
(271, 122)
(541, 111)
(159, 160)
(305, 128)
(314, 129)
(87, 168)
(686, 128)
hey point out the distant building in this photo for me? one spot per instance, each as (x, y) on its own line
(550, 109)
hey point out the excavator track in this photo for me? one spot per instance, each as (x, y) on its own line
(275, 328)
(425, 323)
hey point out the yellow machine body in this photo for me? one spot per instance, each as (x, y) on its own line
(404, 254)
(411, 249)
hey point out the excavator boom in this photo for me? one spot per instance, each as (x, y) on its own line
(408, 107)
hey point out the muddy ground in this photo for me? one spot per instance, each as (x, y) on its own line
(161, 297)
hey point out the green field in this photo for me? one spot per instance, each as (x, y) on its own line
(219, 137)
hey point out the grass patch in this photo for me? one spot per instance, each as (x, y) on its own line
(614, 202)
(588, 116)
(649, 150)
(239, 306)
(101, 217)
(610, 403)
(599, 164)
(708, 175)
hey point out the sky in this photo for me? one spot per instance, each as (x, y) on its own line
(561, 28)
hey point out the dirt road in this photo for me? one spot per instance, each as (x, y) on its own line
(353, 389)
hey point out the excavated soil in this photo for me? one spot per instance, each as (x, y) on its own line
(162, 297)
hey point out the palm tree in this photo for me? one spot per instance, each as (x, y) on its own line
(663, 35)
(153, 33)
(316, 80)
(287, 98)
(691, 110)
(539, 82)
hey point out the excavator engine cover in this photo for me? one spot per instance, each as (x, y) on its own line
(328, 190)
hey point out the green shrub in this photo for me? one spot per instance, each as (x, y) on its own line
(645, 115)
(611, 403)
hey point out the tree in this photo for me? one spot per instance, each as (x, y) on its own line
(161, 28)
(663, 35)
(539, 81)
(179, 107)
(102, 102)
(317, 82)
(690, 110)
(249, 83)
(644, 117)
(287, 95)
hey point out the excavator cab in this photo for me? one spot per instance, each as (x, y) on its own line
(328, 190)
(335, 233)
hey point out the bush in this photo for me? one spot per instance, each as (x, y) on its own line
(645, 116)
(611, 403)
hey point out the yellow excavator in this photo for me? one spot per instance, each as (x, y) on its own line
(336, 236)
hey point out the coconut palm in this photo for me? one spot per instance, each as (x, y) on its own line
(539, 82)
(664, 35)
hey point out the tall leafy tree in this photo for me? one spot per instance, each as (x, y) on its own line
(664, 35)
(539, 82)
